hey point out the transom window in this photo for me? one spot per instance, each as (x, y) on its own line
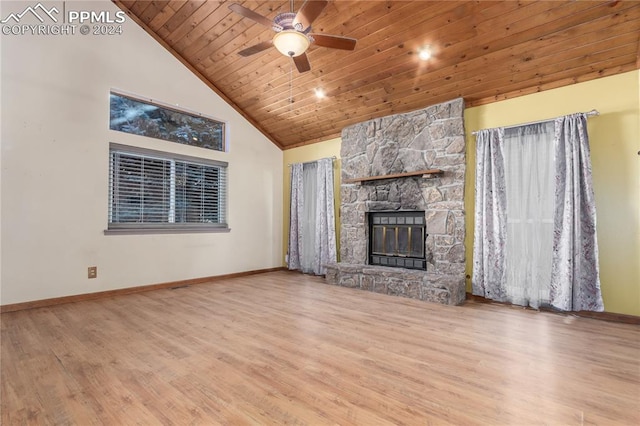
(152, 190)
(157, 120)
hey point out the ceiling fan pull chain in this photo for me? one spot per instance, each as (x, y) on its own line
(291, 85)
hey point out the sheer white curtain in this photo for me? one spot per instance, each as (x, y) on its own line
(530, 185)
(312, 234)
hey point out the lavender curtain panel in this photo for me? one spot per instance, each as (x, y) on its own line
(312, 232)
(295, 218)
(490, 217)
(575, 278)
(325, 229)
(309, 214)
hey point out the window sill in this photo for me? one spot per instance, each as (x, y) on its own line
(145, 231)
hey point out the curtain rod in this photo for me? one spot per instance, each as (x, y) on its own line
(308, 162)
(589, 114)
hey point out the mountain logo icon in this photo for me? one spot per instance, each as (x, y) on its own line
(38, 11)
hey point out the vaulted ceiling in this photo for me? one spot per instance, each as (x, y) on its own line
(483, 51)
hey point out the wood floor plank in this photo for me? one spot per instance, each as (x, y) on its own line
(285, 348)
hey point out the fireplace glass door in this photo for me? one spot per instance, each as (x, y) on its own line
(397, 239)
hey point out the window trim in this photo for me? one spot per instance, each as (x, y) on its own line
(166, 228)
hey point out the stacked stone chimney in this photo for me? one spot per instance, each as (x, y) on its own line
(431, 138)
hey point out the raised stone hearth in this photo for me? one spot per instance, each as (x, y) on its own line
(431, 138)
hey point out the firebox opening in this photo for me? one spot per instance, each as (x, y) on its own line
(397, 239)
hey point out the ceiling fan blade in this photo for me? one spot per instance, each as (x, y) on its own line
(302, 63)
(256, 17)
(308, 13)
(256, 48)
(334, 41)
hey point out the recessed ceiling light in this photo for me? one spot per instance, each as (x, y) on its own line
(424, 53)
(320, 93)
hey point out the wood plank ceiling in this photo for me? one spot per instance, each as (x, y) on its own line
(483, 51)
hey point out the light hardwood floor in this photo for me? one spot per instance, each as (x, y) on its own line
(284, 348)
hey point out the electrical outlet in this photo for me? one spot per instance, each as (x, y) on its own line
(92, 272)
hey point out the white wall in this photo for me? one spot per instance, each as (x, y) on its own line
(54, 169)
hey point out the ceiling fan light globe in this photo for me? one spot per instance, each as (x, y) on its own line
(291, 43)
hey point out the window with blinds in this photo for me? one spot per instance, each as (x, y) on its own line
(155, 190)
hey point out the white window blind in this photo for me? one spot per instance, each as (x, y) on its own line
(155, 190)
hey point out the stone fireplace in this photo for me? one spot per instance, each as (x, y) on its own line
(402, 206)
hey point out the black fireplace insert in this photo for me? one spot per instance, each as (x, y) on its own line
(397, 239)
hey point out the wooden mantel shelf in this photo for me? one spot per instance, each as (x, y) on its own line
(430, 173)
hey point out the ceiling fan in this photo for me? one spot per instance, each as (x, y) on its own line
(293, 33)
